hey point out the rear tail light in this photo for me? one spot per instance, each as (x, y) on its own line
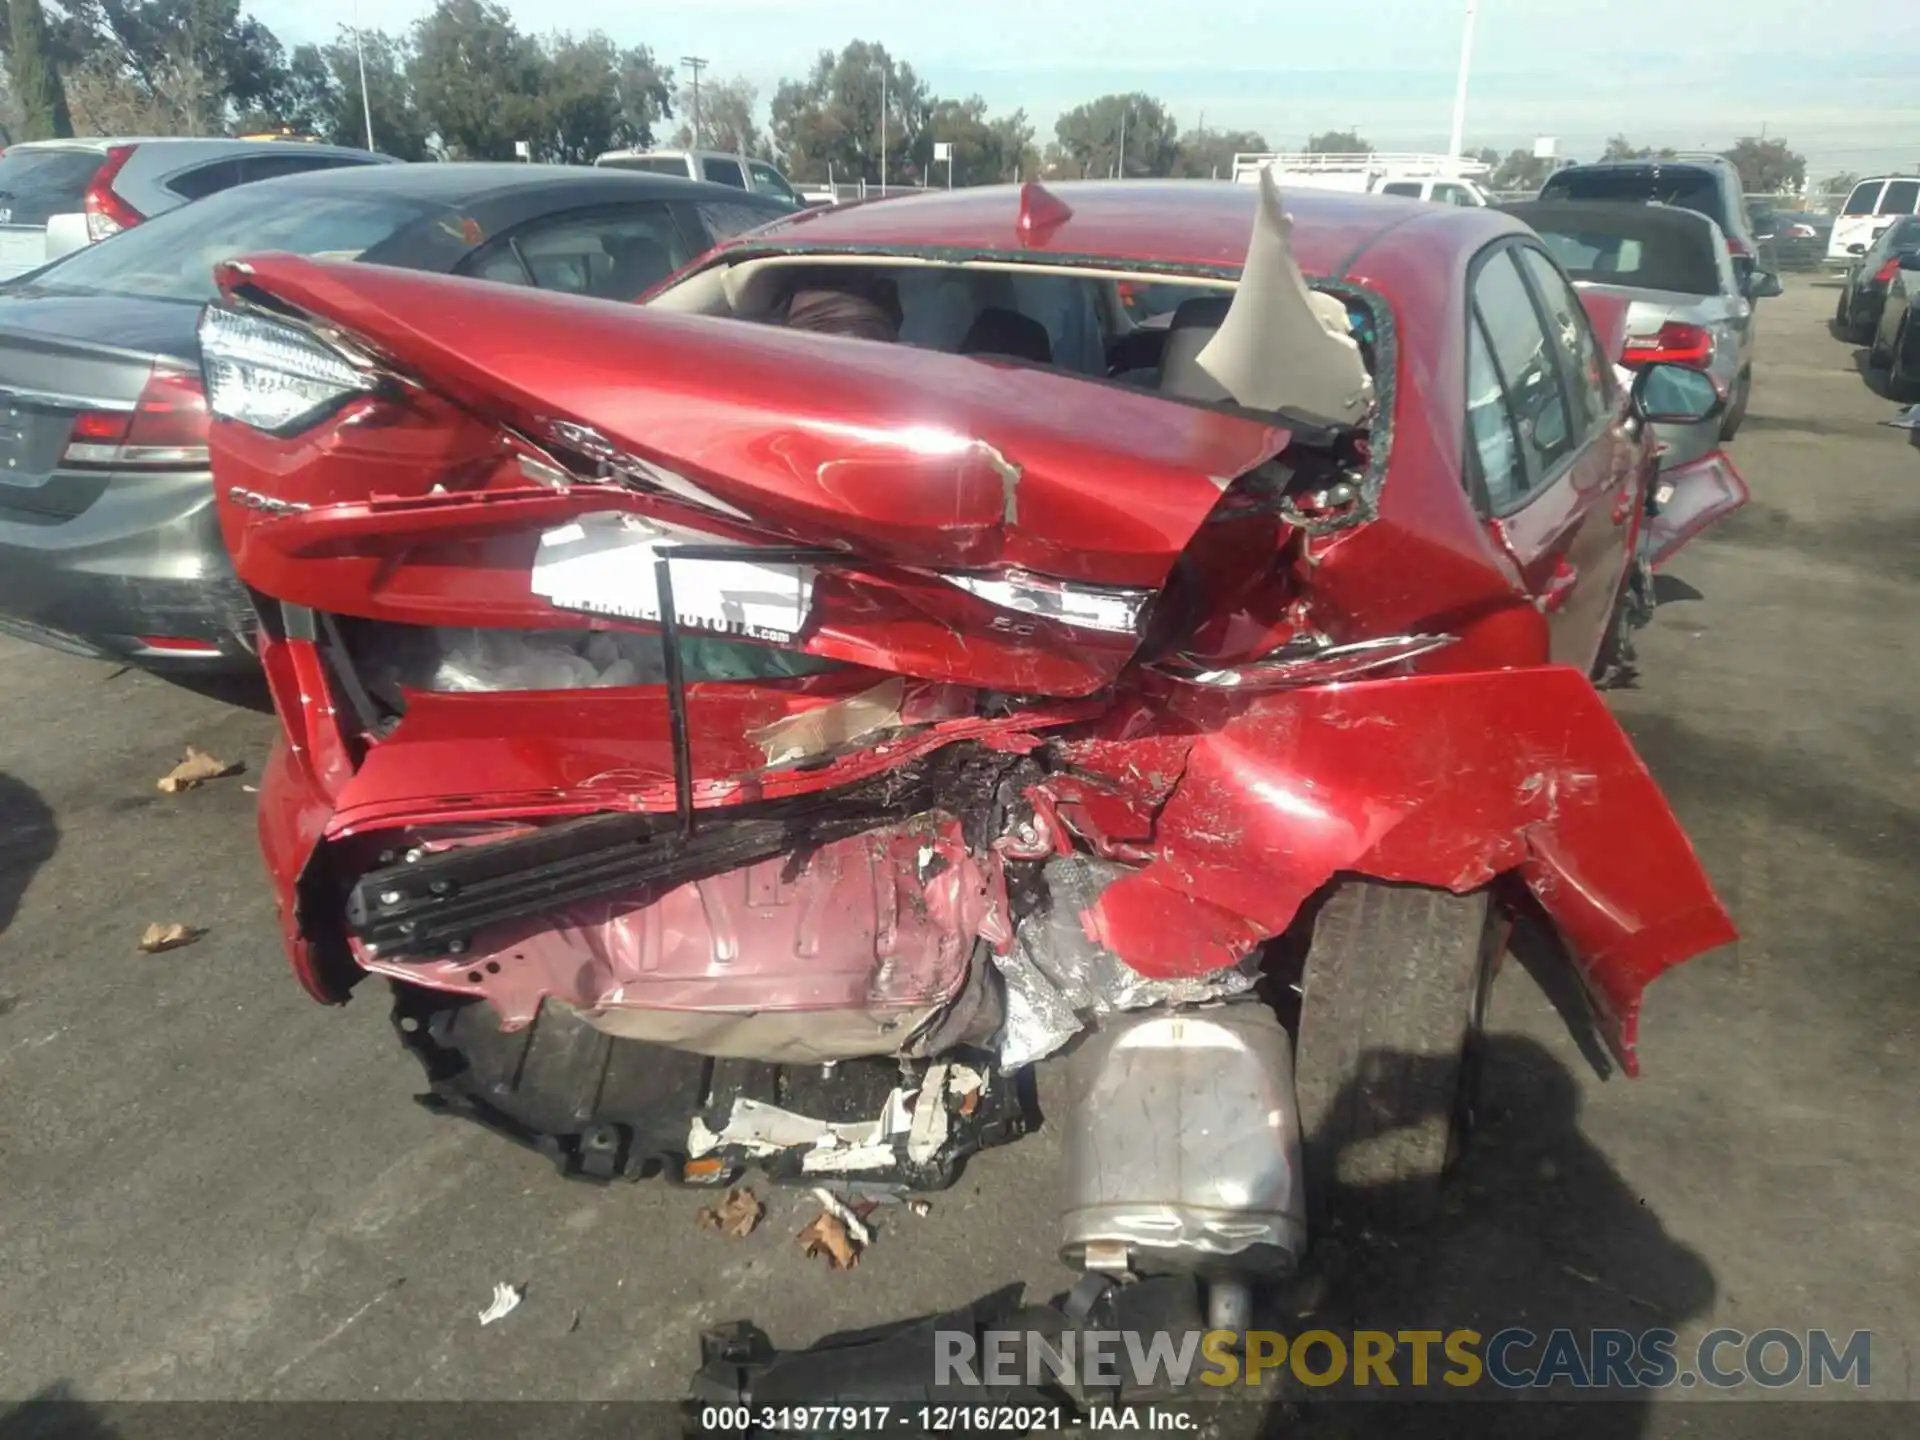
(177, 645)
(1674, 343)
(1884, 275)
(165, 430)
(274, 377)
(1739, 247)
(107, 213)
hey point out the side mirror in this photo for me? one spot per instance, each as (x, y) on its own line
(1856, 249)
(1763, 285)
(1675, 395)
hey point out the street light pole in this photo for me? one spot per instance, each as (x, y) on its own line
(1120, 170)
(1460, 88)
(883, 131)
(360, 55)
(696, 64)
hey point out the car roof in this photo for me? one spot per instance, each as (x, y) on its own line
(465, 182)
(1179, 224)
(100, 144)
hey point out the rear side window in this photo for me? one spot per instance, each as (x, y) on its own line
(1527, 363)
(651, 164)
(1861, 201)
(724, 172)
(293, 162)
(610, 254)
(36, 185)
(204, 180)
(1401, 187)
(1902, 197)
(1452, 195)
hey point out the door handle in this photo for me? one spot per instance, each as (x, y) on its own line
(1559, 588)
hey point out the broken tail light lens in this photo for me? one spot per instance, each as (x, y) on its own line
(1089, 607)
(273, 376)
(166, 429)
(107, 214)
(1675, 343)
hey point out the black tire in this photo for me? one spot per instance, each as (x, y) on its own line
(1840, 317)
(1903, 366)
(1393, 994)
(1737, 411)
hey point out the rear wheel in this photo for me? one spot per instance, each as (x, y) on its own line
(1393, 996)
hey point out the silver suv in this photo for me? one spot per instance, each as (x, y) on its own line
(58, 195)
(716, 167)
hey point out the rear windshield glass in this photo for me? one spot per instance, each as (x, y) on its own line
(1902, 197)
(1680, 185)
(1860, 202)
(36, 185)
(652, 164)
(1645, 257)
(172, 256)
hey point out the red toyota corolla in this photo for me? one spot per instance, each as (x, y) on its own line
(756, 726)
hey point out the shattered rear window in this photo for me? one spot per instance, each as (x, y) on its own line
(390, 657)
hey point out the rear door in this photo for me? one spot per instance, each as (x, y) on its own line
(1855, 225)
(1548, 452)
(35, 186)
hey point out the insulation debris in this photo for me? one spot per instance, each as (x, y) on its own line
(1058, 978)
(827, 728)
(736, 1215)
(195, 767)
(168, 935)
(506, 1299)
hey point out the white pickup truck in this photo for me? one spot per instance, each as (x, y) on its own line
(1446, 179)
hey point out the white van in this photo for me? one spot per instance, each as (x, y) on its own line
(1872, 207)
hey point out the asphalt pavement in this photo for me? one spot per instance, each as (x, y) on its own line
(213, 1188)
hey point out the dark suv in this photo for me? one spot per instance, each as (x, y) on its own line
(1708, 184)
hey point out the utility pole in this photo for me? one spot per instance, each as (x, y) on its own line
(1120, 170)
(1460, 88)
(360, 54)
(696, 64)
(883, 131)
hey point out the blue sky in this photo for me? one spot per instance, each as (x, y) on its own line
(1842, 82)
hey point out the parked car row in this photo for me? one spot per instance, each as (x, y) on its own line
(1023, 576)
(1875, 308)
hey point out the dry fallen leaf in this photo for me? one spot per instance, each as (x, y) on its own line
(194, 767)
(826, 1235)
(920, 1208)
(167, 936)
(736, 1215)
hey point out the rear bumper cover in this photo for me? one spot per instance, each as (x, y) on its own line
(144, 559)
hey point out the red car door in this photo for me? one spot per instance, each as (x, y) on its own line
(1560, 475)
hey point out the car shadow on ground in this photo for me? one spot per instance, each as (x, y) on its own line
(1537, 1232)
(28, 837)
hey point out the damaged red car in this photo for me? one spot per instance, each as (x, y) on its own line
(1152, 623)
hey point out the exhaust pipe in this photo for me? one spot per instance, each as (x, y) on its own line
(1183, 1152)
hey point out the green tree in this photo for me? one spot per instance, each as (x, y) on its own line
(38, 94)
(479, 82)
(1621, 148)
(192, 65)
(321, 95)
(1208, 154)
(1839, 186)
(984, 151)
(1767, 167)
(1521, 170)
(727, 110)
(1339, 142)
(1121, 134)
(830, 124)
(580, 100)
(646, 96)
